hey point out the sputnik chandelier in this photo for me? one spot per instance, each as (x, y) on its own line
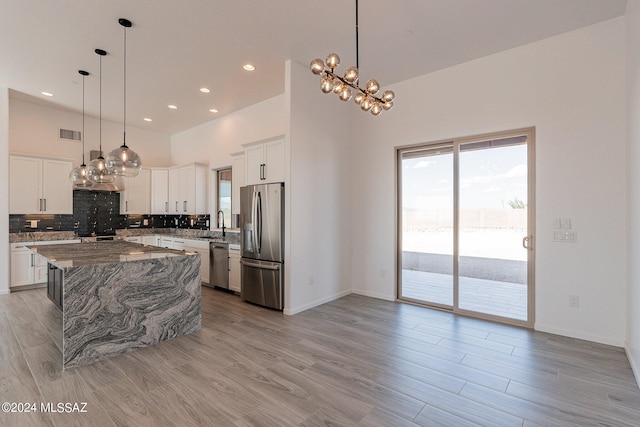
(331, 82)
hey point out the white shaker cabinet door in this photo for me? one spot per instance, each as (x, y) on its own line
(57, 191)
(159, 191)
(25, 185)
(22, 271)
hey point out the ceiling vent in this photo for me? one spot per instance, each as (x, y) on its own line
(74, 135)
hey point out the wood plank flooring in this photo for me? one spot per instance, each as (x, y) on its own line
(356, 361)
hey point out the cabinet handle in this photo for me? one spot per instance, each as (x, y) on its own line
(184, 206)
(166, 206)
(40, 205)
(126, 206)
(262, 178)
(45, 204)
(176, 206)
(32, 260)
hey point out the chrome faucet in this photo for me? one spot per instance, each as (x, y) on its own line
(218, 219)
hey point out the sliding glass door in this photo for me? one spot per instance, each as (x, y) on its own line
(465, 226)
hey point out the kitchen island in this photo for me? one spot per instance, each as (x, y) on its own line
(118, 296)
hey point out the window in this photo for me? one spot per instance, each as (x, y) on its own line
(224, 197)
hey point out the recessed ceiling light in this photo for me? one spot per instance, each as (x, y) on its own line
(147, 119)
(248, 67)
(213, 110)
(173, 107)
(204, 90)
(46, 93)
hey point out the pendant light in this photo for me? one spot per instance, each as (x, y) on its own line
(123, 160)
(97, 170)
(78, 175)
(346, 86)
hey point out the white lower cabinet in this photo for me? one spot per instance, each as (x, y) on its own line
(134, 239)
(22, 265)
(201, 247)
(26, 267)
(149, 240)
(234, 268)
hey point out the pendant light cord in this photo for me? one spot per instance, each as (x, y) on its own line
(83, 164)
(100, 106)
(124, 119)
(357, 50)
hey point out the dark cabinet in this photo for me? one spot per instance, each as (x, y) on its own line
(55, 278)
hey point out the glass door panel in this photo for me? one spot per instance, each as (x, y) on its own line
(426, 255)
(465, 234)
(492, 222)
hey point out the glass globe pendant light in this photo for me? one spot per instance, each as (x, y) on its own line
(123, 160)
(97, 171)
(78, 175)
(347, 87)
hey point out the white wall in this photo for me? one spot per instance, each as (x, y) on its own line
(34, 129)
(4, 190)
(571, 88)
(318, 193)
(633, 186)
(213, 142)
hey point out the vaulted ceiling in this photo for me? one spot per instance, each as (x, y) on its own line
(174, 48)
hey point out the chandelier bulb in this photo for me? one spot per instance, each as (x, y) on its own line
(366, 104)
(326, 84)
(317, 66)
(388, 95)
(372, 87)
(351, 75)
(345, 95)
(376, 109)
(333, 60)
(387, 105)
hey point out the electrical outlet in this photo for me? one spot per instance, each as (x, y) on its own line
(176, 222)
(145, 222)
(574, 301)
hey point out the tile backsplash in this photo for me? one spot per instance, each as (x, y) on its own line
(99, 212)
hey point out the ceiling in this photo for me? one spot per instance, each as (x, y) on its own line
(176, 47)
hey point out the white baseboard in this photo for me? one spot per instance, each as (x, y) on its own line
(635, 368)
(374, 295)
(579, 335)
(296, 310)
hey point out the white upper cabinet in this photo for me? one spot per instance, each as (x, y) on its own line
(159, 191)
(188, 190)
(264, 162)
(237, 180)
(40, 186)
(136, 197)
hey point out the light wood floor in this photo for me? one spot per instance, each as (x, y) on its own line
(354, 361)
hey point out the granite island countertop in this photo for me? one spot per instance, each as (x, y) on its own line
(119, 296)
(108, 252)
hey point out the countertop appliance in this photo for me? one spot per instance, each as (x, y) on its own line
(218, 265)
(262, 244)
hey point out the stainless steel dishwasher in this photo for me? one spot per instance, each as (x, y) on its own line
(219, 265)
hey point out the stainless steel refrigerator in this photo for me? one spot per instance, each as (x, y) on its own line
(262, 244)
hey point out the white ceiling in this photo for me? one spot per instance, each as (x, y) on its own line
(176, 47)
